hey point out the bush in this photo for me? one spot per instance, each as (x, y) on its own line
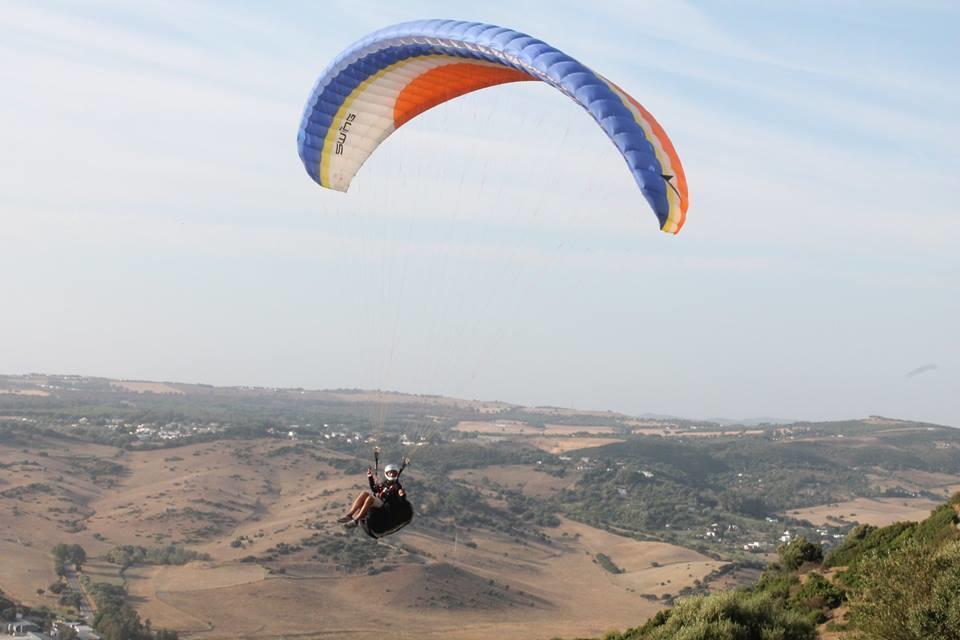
(909, 594)
(776, 583)
(731, 614)
(796, 552)
(604, 561)
(866, 538)
(819, 593)
(116, 620)
(128, 555)
(71, 599)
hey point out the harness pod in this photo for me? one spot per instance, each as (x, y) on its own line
(388, 519)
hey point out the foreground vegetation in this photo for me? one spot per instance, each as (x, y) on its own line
(900, 582)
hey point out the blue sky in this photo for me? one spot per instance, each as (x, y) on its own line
(155, 221)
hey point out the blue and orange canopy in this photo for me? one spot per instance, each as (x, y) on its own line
(397, 73)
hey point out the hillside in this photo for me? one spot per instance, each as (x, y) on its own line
(263, 511)
(212, 510)
(898, 581)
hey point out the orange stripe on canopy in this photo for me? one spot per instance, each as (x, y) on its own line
(447, 82)
(671, 152)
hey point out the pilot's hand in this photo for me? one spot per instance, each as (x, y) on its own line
(402, 493)
(369, 472)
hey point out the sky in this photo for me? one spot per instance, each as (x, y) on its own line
(156, 222)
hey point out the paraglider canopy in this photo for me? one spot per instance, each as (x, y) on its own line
(392, 75)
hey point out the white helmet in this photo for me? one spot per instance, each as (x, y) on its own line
(391, 468)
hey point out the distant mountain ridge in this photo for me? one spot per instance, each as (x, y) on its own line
(42, 384)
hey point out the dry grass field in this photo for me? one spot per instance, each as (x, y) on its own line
(569, 429)
(266, 493)
(391, 397)
(45, 492)
(40, 393)
(525, 478)
(518, 428)
(499, 427)
(144, 387)
(563, 445)
(876, 511)
(568, 413)
(499, 587)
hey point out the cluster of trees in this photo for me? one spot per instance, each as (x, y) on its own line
(604, 561)
(64, 553)
(99, 471)
(471, 455)
(531, 510)
(71, 599)
(439, 501)
(116, 620)
(128, 555)
(8, 608)
(676, 486)
(344, 552)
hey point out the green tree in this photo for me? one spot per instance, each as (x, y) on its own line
(67, 633)
(61, 553)
(118, 623)
(78, 556)
(818, 593)
(71, 599)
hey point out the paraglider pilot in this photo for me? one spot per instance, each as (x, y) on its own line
(385, 494)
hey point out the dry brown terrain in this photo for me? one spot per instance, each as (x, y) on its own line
(563, 445)
(876, 511)
(527, 479)
(518, 428)
(391, 397)
(570, 429)
(446, 584)
(500, 588)
(500, 427)
(568, 412)
(916, 480)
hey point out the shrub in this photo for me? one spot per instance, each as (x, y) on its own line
(910, 594)
(730, 614)
(604, 561)
(796, 552)
(820, 592)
